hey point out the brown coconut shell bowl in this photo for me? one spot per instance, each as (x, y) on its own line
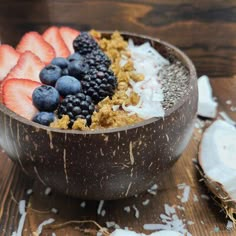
(109, 163)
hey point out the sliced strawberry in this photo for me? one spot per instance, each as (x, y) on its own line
(28, 66)
(69, 34)
(53, 37)
(8, 59)
(17, 96)
(35, 43)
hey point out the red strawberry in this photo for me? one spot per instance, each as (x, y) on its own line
(35, 43)
(17, 96)
(8, 59)
(69, 34)
(28, 66)
(53, 37)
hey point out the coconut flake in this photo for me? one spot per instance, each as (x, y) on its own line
(148, 62)
(100, 206)
(207, 107)
(22, 212)
(229, 225)
(136, 211)
(122, 232)
(83, 204)
(47, 191)
(29, 191)
(185, 194)
(44, 223)
(127, 209)
(146, 202)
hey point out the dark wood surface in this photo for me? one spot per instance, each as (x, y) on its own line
(204, 29)
(205, 214)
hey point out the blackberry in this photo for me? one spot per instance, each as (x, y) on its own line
(99, 84)
(76, 106)
(96, 58)
(84, 44)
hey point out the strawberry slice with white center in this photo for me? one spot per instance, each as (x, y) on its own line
(8, 59)
(53, 37)
(35, 43)
(68, 34)
(17, 96)
(28, 66)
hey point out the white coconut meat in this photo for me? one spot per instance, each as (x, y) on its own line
(217, 158)
(122, 232)
(207, 107)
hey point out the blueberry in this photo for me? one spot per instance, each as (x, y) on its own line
(75, 57)
(44, 118)
(68, 85)
(60, 61)
(78, 69)
(50, 74)
(46, 98)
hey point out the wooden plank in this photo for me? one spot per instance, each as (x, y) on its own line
(205, 214)
(205, 30)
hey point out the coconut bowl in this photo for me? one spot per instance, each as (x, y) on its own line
(104, 164)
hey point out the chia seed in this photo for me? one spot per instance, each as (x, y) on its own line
(174, 79)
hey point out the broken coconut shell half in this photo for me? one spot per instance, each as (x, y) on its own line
(217, 158)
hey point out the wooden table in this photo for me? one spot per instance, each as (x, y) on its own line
(205, 214)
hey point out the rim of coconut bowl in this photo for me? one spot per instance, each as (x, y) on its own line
(185, 60)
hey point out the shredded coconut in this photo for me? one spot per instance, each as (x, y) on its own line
(127, 209)
(47, 191)
(147, 61)
(146, 202)
(83, 204)
(40, 227)
(29, 191)
(22, 218)
(136, 211)
(229, 225)
(186, 192)
(100, 206)
(203, 196)
(112, 224)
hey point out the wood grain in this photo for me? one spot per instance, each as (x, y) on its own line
(205, 30)
(205, 214)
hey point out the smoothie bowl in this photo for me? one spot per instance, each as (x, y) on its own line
(104, 123)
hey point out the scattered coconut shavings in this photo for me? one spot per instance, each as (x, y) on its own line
(103, 212)
(136, 211)
(100, 206)
(44, 223)
(54, 210)
(216, 229)
(29, 191)
(185, 194)
(146, 202)
(232, 108)
(227, 118)
(195, 198)
(22, 205)
(229, 225)
(53, 234)
(126, 232)
(228, 102)
(47, 191)
(170, 221)
(207, 107)
(112, 224)
(83, 204)
(203, 196)
(127, 209)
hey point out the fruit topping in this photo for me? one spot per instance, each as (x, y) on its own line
(78, 68)
(17, 96)
(8, 59)
(61, 62)
(68, 34)
(35, 43)
(75, 56)
(46, 98)
(50, 74)
(28, 66)
(85, 44)
(44, 118)
(53, 37)
(99, 83)
(77, 106)
(96, 58)
(68, 85)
